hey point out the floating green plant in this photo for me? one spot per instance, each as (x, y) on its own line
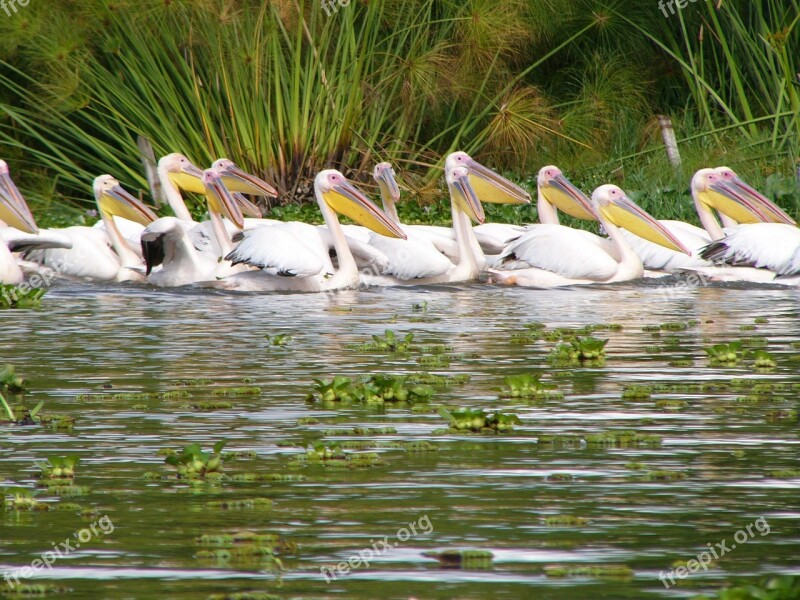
(560, 441)
(782, 416)
(663, 475)
(580, 349)
(673, 326)
(761, 320)
(241, 504)
(64, 488)
(249, 595)
(683, 362)
(593, 571)
(725, 355)
(20, 296)
(623, 439)
(244, 543)
(377, 389)
(560, 477)
(334, 457)
(763, 360)
(273, 477)
(784, 587)
(565, 521)
(670, 404)
(208, 405)
(280, 339)
(10, 381)
(463, 559)
(635, 466)
(236, 391)
(637, 392)
(193, 463)
(389, 342)
(785, 474)
(59, 467)
(477, 420)
(526, 385)
(33, 590)
(20, 498)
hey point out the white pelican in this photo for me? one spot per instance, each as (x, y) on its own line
(14, 213)
(184, 250)
(415, 262)
(287, 261)
(562, 256)
(95, 254)
(718, 190)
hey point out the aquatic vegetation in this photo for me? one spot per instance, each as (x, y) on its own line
(560, 441)
(782, 416)
(623, 439)
(637, 391)
(463, 559)
(10, 381)
(239, 455)
(280, 339)
(377, 389)
(761, 320)
(670, 404)
(59, 467)
(526, 385)
(580, 350)
(241, 504)
(273, 477)
(763, 360)
(434, 380)
(785, 474)
(64, 488)
(20, 498)
(565, 521)
(193, 463)
(560, 477)
(20, 296)
(663, 475)
(464, 419)
(725, 355)
(208, 405)
(389, 342)
(593, 571)
(784, 587)
(236, 391)
(34, 590)
(334, 457)
(246, 543)
(250, 595)
(673, 326)
(635, 466)
(360, 431)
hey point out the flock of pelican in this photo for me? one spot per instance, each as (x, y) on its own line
(745, 236)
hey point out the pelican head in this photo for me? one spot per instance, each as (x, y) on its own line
(344, 198)
(113, 201)
(14, 210)
(182, 173)
(711, 191)
(773, 212)
(488, 185)
(464, 196)
(220, 200)
(613, 206)
(559, 191)
(238, 180)
(384, 176)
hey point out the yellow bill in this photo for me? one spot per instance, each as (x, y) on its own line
(623, 212)
(346, 200)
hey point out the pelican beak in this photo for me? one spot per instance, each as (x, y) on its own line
(220, 199)
(119, 203)
(623, 212)
(237, 180)
(388, 184)
(493, 188)
(561, 193)
(14, 210)
(727, 199)
(766, 206)
(467, 199)
(346, 200)
(248, 208)
(189, 179)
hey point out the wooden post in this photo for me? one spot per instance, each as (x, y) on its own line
(148, 157)
(670, 141)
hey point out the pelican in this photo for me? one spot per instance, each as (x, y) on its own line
(185, 251)
(177, 173)
(14, 213)
(99, 255)
(562, 256)
(287, 262)
(719, 190)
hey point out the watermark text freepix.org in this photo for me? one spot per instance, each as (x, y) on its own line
(715, 552)
(378, 548)
(103, 526)
(10, 6)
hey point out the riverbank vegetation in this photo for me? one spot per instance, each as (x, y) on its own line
(284, 89)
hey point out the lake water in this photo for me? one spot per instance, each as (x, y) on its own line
(725, 460)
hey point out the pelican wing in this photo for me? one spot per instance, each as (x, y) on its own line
(413, 258)
(277, 247)
(564, 251)
(19, 241)
(770, 246)
(494, 237)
